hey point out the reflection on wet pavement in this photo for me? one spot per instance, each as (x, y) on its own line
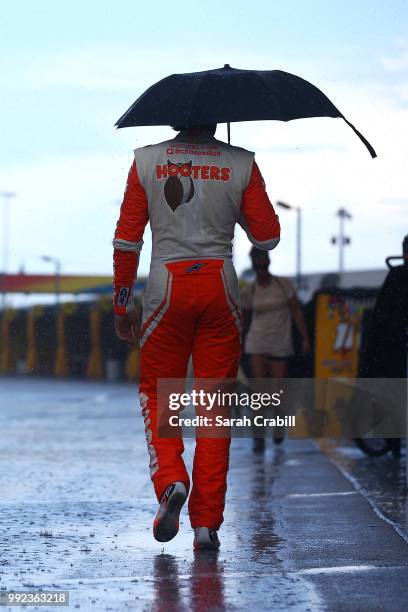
(264, 542)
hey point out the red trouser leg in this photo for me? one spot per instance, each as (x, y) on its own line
(216, 353)
(165, 351)
(197, 316)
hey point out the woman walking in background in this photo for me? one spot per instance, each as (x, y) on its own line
(269, 305)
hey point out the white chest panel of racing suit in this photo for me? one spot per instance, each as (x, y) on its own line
(194, 193)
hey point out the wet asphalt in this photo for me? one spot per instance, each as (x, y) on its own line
(308, 527)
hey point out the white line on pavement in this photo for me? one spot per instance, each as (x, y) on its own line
(333, 494)
(366, 496)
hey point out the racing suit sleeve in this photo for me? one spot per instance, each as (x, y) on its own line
(128, 241)
(258, 218)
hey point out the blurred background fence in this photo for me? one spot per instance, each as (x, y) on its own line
(77, 339)
(71, 340)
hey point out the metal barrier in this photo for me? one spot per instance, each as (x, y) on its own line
(72, 340)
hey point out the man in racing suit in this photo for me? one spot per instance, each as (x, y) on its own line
(192, 189)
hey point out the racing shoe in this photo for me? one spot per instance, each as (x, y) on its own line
(166, 523)
(205, 539)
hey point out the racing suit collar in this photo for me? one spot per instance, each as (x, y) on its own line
(192, 135)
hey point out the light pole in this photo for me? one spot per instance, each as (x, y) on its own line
(7, 196)
(57, 264)
(341, 239)
(298, 240)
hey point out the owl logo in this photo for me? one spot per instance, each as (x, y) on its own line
(179, 186)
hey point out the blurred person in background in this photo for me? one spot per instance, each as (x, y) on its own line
(269, 306)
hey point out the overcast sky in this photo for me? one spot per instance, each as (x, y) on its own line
(70, 69)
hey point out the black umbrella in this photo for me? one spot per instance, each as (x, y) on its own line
(229, 94)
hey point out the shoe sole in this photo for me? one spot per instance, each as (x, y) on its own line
(168, 526)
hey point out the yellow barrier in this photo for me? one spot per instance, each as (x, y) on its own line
(32, 349)
(6, 362)
(61, 364)
(337, 337)
(337, 347)
(94, 367)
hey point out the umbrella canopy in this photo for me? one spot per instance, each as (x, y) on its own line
(229, 94)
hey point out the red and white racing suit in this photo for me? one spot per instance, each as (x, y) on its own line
(193, 191)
